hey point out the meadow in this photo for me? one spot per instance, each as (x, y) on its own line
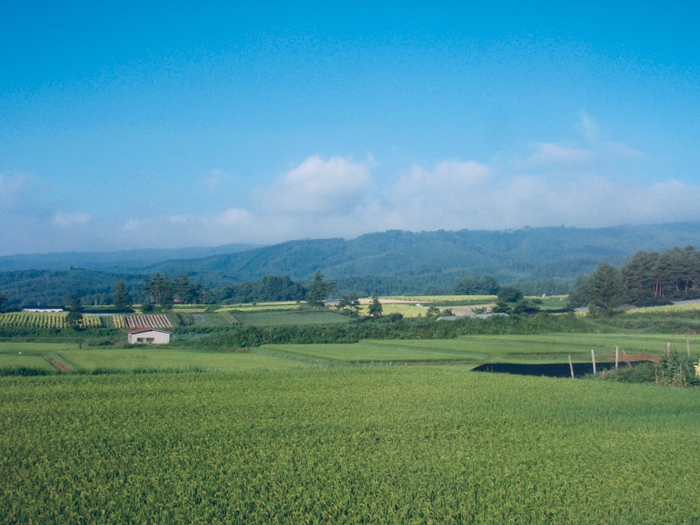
(130, 359)
(369, 352)
(346, 445)
(467, 351)
(551, 348)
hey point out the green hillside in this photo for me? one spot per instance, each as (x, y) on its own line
(526, 254)
(392, 262)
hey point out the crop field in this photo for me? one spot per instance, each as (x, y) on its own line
(130, 359)
(407, 310)
(261, 307)
(152, 358)
(16, 360)
(665, 309)
(368, 352)
(551, 348)
(190, 308)
(347, 445)
(45, 320)
(147, 321)
(299, 317)
(214, 319)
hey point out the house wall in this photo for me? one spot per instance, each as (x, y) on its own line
(159, 338)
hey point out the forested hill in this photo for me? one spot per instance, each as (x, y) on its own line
(529, 253)
(111, 260)
(389, 263)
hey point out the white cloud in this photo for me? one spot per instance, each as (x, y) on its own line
(318, 186)
(339, 197)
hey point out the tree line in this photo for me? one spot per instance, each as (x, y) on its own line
(647, 278)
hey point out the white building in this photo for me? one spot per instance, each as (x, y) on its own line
(149, 336)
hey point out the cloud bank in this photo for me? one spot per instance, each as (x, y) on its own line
(552, 184)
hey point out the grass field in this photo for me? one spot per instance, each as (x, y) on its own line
(434, 299)
(300, 317)
(368, 352)
(165, 358)
(472, 350)
(347, 445)
(673, 308)
(262, 307)
(550, 348)
(15, 360)
(407, 310)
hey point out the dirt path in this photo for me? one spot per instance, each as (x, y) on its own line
(59, 363)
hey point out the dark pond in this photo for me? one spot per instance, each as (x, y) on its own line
(549, 370)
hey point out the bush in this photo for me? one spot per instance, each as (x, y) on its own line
(641, 373)
(509, 294)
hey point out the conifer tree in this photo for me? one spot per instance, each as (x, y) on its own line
(121, 298)
(375, 307)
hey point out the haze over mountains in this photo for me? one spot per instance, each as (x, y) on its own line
(516, 255)
(112, 259)
(391, 262)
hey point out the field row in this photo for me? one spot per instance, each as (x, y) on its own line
(46, 320)
(148, 321)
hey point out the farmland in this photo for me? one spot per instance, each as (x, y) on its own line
(45, 320)
(348, 445)
(367, 352)
(298, 317)
(166, 359)
(467, 350)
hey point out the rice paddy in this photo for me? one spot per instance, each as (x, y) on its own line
(346, 445)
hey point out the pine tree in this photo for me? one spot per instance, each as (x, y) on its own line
(319, 290)
(604, 288)
(375, 307)
(121, 298)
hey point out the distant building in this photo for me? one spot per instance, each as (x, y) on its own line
(148, 336)
(42, 310)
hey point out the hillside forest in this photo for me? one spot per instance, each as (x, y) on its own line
(648, 277)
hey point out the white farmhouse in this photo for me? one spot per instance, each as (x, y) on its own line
(149, 335)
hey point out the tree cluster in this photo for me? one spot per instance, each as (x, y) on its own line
(160, 290)
(269, 288)
(487, 285)
(671, 275)
(511, 301)
(647, 278)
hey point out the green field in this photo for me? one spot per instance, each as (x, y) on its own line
(297, 317)
(550, 347)
(366, 352)
(165, 358)
(346, 445)
(15, 360)
(472, 350)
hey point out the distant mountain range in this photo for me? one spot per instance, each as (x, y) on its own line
(525, 254)
(388, 262)
(111, 260)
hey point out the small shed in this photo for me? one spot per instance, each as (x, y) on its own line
(149, 336)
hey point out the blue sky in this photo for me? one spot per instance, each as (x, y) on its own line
(129, 125)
